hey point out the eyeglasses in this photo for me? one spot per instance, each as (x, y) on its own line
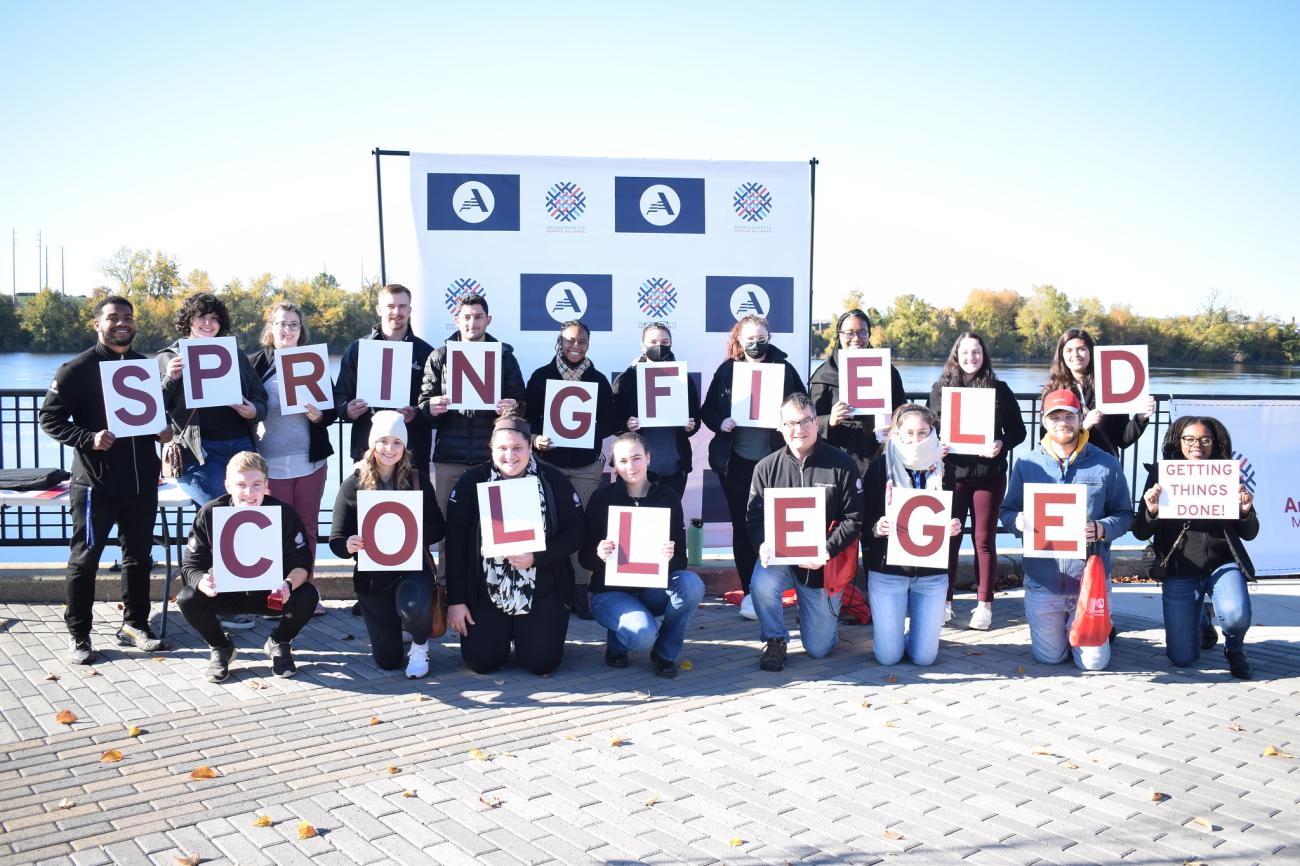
(795, 425)
(861, 335)
(289, 326)
(1203, 441)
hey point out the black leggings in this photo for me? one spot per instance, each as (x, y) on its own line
(204, 612)
(406, 605)
(538, 637)
(735, 485)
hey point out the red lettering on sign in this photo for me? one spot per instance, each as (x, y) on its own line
(410, 533)
(755, 394)
(198, 373)
(226, 544)
(932, 536)
(1106, 376)
(653, 390)
(386, 373)
(121, 379)
(1042, 521)
(784, 525)
(856, 380)
(581, 420)
(624, 546)
(310, 379)
(462, 372)
(497, 528)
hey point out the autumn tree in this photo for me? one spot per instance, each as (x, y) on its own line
(1042, 319)
(993, 315)
(53, 322)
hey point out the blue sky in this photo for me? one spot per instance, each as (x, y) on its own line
(1139, 153)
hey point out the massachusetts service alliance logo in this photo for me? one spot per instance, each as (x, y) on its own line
(752, 202)
(565, 205)
(657, 298)
(1247, 471)
(459, 289)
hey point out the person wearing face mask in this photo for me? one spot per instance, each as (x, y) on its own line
(978, 481)
(1201, 558)
(734, 450)
(391, 601)
(912, 459)
(856, 435)
(670, 449)
(1072, 371)
(582, 466)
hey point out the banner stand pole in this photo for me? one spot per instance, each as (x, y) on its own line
(379, 201)
(812, 234)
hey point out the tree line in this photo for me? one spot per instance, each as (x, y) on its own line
(1016, 327)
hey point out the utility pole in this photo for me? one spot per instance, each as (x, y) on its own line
(47, 268)
(13, 260)
(63, 274)
(39, 247)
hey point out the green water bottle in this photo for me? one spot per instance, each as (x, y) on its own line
(695, 542)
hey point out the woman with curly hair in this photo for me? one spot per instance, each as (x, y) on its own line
(1202, 558)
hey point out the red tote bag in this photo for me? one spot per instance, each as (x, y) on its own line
(1091, 626)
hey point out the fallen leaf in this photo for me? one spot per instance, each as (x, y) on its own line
(89, 674)
(652, 800)
(889, 724)
(894, 835)
(866, 705)
(566, 736)
(133, 731)
(203, 772)
(686, 664)
(189, 859)
(374, 720)
(120, 606)
(52, 677)
(1275, 752)
(1236, 726)
(1202, 824)
(891, 679)
(973, 652)
(1070, 765)
(616, 741)
(419, 698)
(65, 803)
(65, 717)
(112, 756)
(393, 771)
(735, 841)
(408, 794)
(1044, 752)
(262, 821)
(158, 659)
(1158, 797)
(305, 830)
(1020, 670)
(489, 802)
(256, 684)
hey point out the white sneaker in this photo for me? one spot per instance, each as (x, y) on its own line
(947, 613)
(982, 618)
(417, 661)
(747, 607)
(238, 622)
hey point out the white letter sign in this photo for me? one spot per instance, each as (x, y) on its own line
(384, 373)
(473, 375)
(1122, 379)
(866, 381)
(247, 552)
(132, 398)
(918, 534)
(661, 399)
(569, 413)
(1055, 515)
(391, 523)
(510, 517)
(302, 378)
(794, 523)
(210, 375)
(1199, 490)
(968, 419)
(756, 394)
(639, 535)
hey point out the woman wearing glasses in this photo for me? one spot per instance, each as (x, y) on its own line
(582, 466)
(296, 447)
(856, 435)
(1200, 558)
(735, 450)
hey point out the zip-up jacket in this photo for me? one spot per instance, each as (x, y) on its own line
(73, 412)
(1008, 426)
(616, 494)
(716, 407)
(198, 551)
(463, 435)
(875, 548)
(535, 402)
(856, 436)
(626, 397)
(1108, 503)
(318, 432)
(828, 468)
(1207, 544)
(419, 438)
(345, 524)
(185, 428)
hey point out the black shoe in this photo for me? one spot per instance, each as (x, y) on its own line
(281, 656)
(139, 637)
(356, 609)
(219, 658)
(82, 653)
(773, 658)
(663, 667)
(1209, 637)
(1238, 665)
(615, 660)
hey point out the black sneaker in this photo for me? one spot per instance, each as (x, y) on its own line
(773, 658)
(281, 655)
(139, 637)
(1209, 637)
(219, 658)
(615, 660)
(82, 653)
(663, 667)
(356, 609)
(1238, 665)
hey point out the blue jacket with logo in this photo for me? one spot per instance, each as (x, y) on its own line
(1109, 503)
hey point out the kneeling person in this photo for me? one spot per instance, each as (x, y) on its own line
(629, 613)
(201, 604)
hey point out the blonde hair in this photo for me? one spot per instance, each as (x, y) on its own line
(247, 461)
(404, 475)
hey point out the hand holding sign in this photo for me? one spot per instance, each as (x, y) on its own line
(1199, 490)
(866, 381)
(1054, 521)
(133, 399)
(639, 535)
(210, 372)
(246, 549)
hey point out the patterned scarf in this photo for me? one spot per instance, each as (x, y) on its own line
(510, 589)
(571, 373)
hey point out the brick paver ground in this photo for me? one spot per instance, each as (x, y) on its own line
(985, 758)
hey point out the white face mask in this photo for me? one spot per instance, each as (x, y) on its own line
(920, 455)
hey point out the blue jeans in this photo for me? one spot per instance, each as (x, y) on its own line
(1050, 615)
(1183, 601)
(819, 613)
(895, 596)
(629, 615)
(204, 483)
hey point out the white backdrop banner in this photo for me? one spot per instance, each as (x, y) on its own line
(1264, 444)
(616, 243)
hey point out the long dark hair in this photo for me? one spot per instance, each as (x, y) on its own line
(1059, 378)
(952, 374)
(1171, 448)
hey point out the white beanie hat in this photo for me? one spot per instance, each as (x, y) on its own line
(387, 423)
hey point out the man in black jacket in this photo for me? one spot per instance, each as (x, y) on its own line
(394, 311)
(114, 482)
(806, 461)
(463, 435)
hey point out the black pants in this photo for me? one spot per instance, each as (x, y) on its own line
(538, 637)
(204, 612)
(94, 514)
(735, 485)
(406, 604)
(675, 482)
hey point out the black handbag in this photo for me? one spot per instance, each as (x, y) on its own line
(1155, 567)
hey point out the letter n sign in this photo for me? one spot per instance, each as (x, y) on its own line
(247, 549)
(390, 523)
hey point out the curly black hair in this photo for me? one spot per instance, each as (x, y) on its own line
(1171, 448)
(201, 305)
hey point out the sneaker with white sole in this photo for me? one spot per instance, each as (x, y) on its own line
(238, 622)
(417, 661)
(747, 607)
(947, 613)
(981, 618)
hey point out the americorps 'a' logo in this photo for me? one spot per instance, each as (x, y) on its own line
(566, 300)
(459, 289)
(545, 299)
(1247, 471)
(749, 299)
(752, 201)
(565, 201)
(473, 201)
(657, 298)
(660, 204)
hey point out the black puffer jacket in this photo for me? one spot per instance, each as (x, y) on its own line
(419, 437)
(855, 436)
(1207, 544)
(185, 427)
(717, 407)
(318, 432)
(463, 436)
(626, 398)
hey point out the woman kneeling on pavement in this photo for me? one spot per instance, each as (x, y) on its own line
(521, 599)
(391, 601)
(1200, 558)
(912, 459)
(629, 614)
